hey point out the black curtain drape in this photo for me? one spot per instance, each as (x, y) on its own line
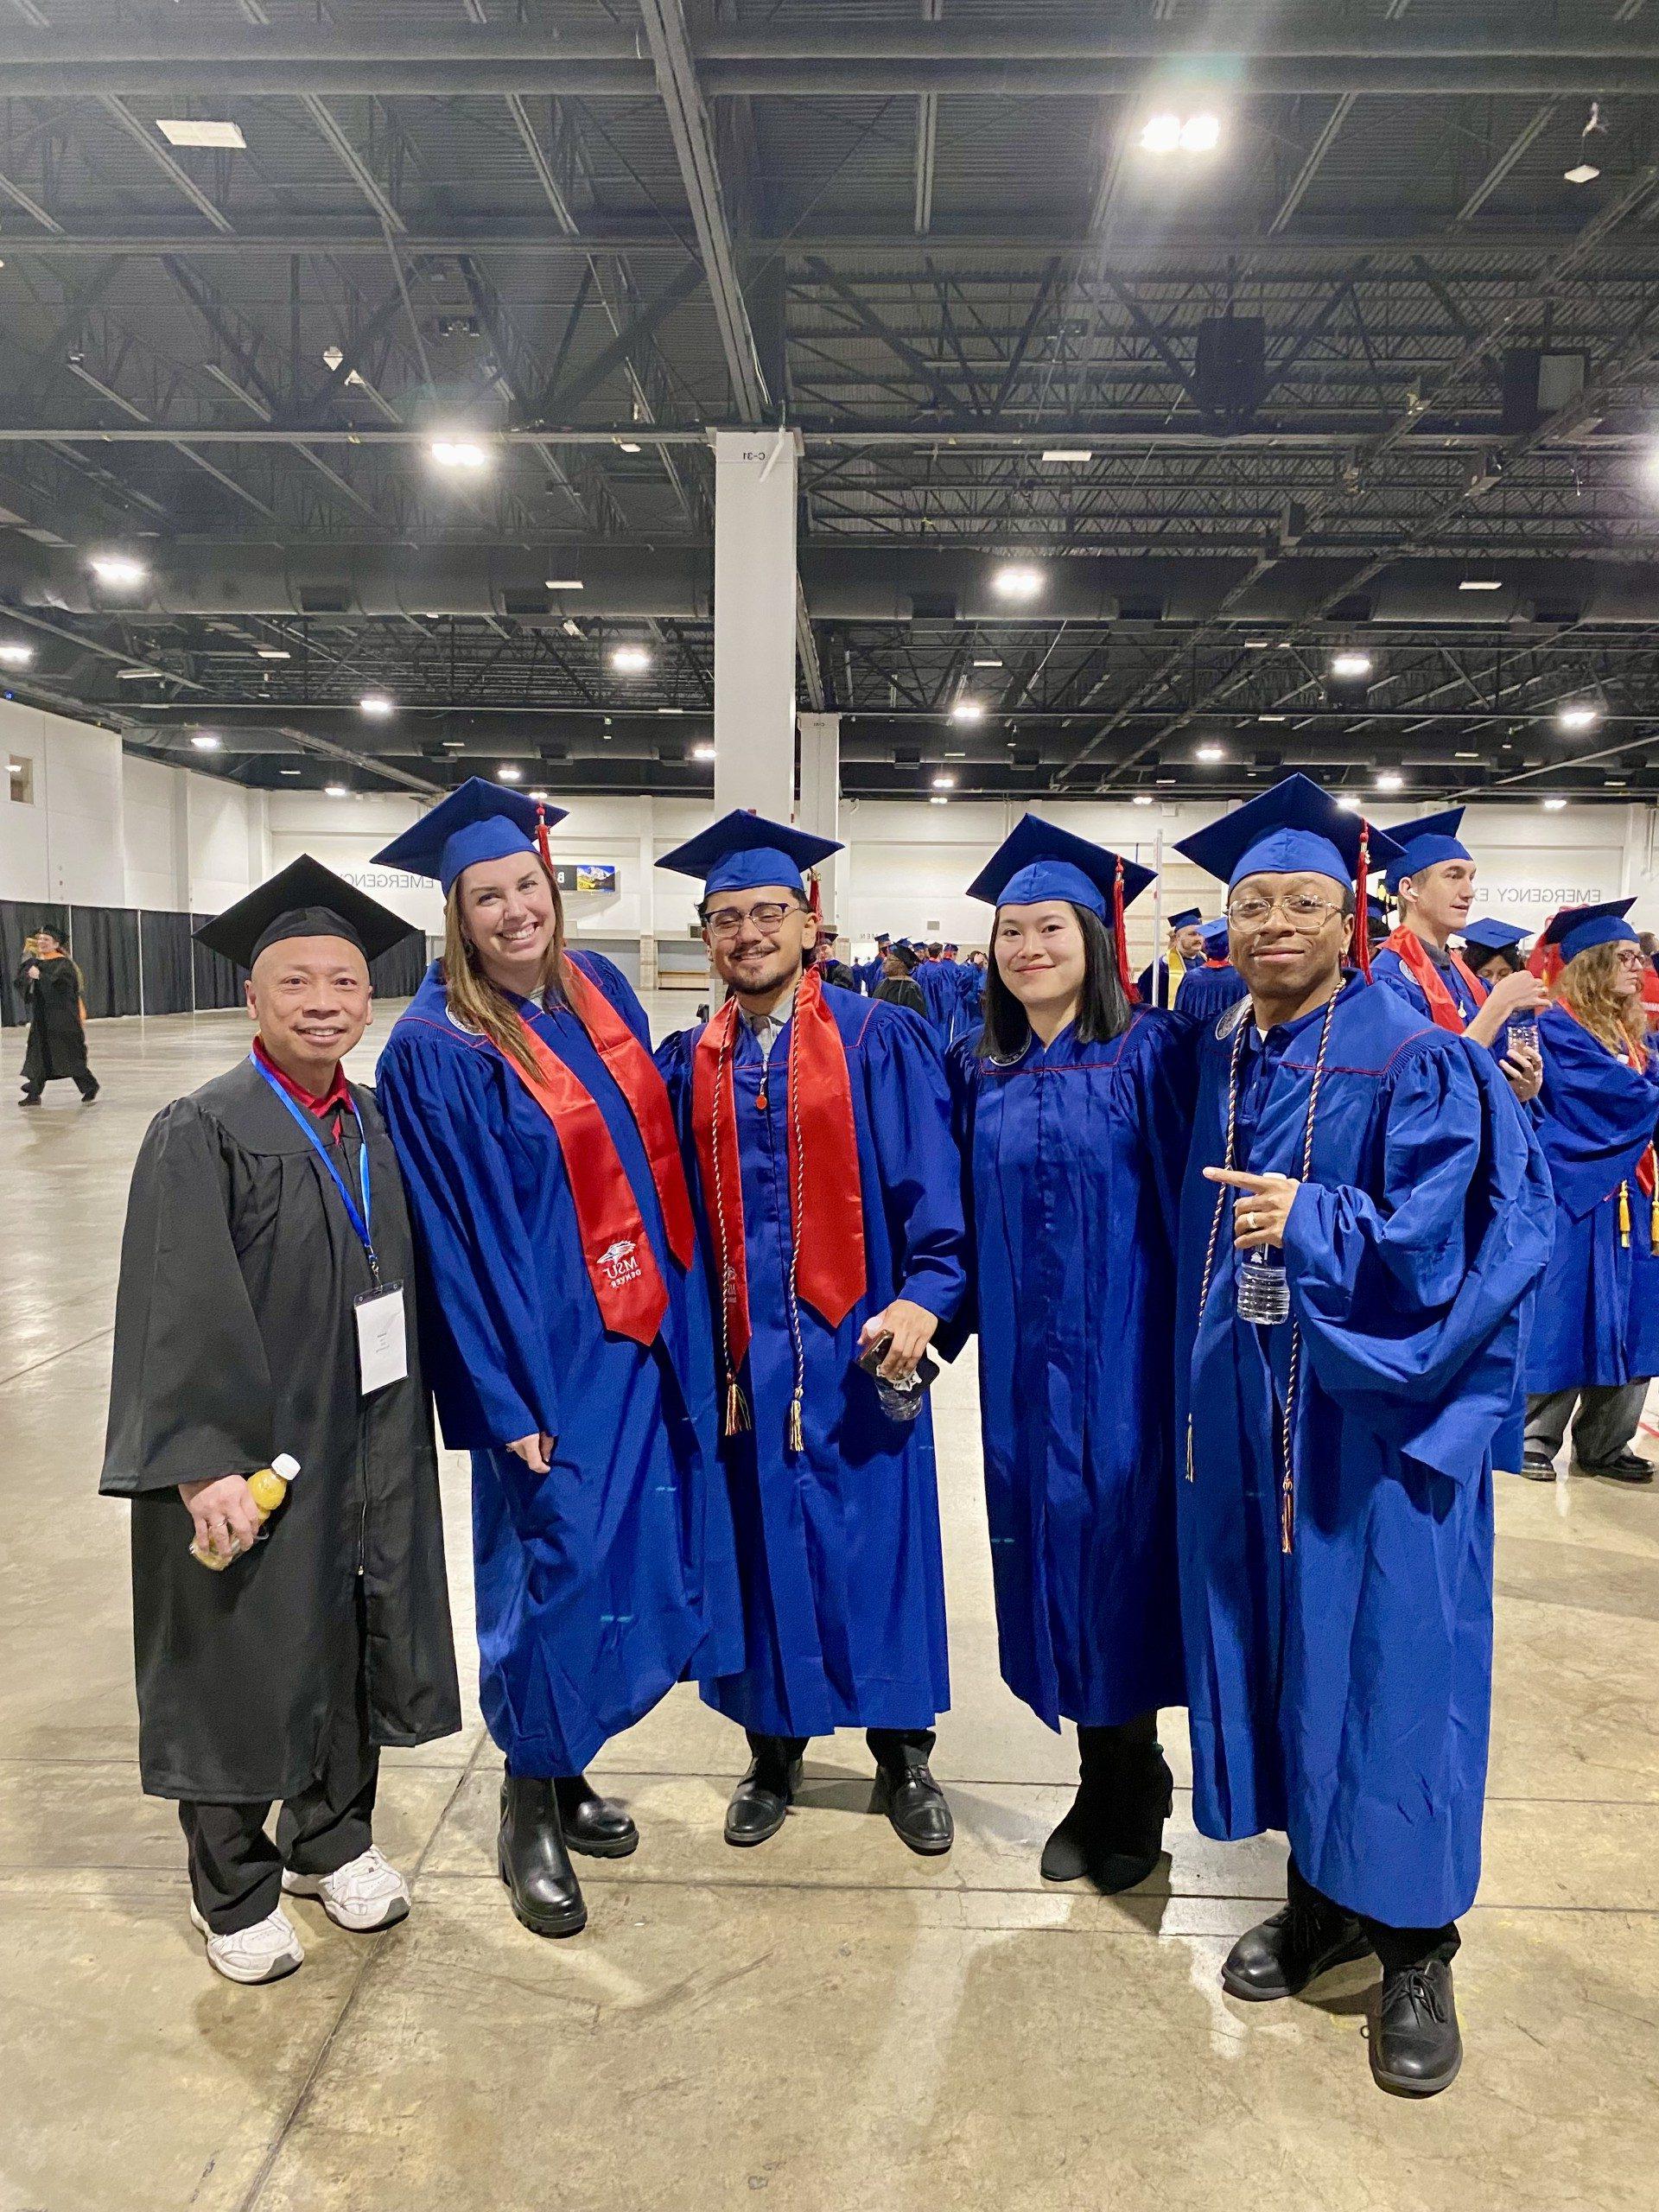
(219, 981)
(165, 941)
(397, 973)
(104, 942)
(20, 918)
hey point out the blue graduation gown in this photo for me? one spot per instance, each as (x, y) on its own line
(1148, 982)
(1598, 1314)
(942, 990)
(1388, 967)
(602, 1583)
(844, 1583)
(1342, 1691)
(1205, 992)
(1074, 1156)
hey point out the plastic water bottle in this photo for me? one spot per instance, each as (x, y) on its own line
(1524, 1032)
(1263, 1292)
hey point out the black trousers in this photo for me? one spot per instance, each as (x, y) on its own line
(85, 1081)
(890, 1746)
(235, 1871)
(1396, 1946)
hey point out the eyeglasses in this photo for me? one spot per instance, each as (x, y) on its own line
(1302, 909)
(727, 921)
(1631, 955)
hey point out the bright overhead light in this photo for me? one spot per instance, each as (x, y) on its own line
(119, 571)
(1017, 582)
(670, 710)
(944, 781)
(206, 741)
(630, 660)
(1349, 802)
(1273, 718)
(1579, 716)
(1077, 455)
(16, 656)
(463, 454)
(1141, 798)
(1350, 667)
(1390, 779)
(1581, 172)
(563, 583)
(288, 772)
(704, 752)
(628, 445)
(377, 706)
(987, 664)
(273, 653)
(1161, 134)
(509, 775)
(571, 629)
(188, 130)
(1554, 806)
(139, 674)
(938, 798)
(1257, 644)
(335, 790)
(1201, 134)
(968, 710)
(1209, 750)
(1481, 583)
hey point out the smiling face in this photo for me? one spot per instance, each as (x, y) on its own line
(311, 999)
(1438, 898)
(1287, 934)
(1040, 954)
(509, 915)
(759, 938)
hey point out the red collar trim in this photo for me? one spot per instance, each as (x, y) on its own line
(339, 1093)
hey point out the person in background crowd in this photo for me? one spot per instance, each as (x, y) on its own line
(266, 1315)
(1365, 1221)
(1434, 880)
(898, 984)
(1650, 945)
(941, 989)
(1208, 990)
(50, 985)
(870, 972)
(1073, 1111)
(1186, 949)
(829, 963)
(815, 1130)
(1491, 950)
(1596, 1344)
(570, 1339)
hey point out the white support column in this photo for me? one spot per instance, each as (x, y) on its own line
(754, 621)
(647, 866)
(820, 803)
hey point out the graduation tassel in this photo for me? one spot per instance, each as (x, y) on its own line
(542, 846)
(1624, 1215)
(1362, 916)
(1119, 935)
(794, 1440)
(737, 1410)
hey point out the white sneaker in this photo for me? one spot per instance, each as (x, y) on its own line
(265, 1952)
(367, 1892)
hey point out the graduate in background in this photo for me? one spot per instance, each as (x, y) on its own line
(1152, 985)
(941, 989)
(1073, 1111)
(1208, 990)
(50, 985)
(898, 985)
(569, 1326)
(816, 1133)
(266, 1226)
(1491, 950)
(1596, 1342)
(1433, 879)
(1365, 1221)
(870, 972)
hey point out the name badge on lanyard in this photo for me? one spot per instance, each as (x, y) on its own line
(382, 1334)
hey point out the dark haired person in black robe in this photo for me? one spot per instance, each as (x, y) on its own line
(255, 1320)
(49, 983)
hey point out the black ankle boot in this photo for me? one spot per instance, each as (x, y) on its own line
(764, 1796)
(596, 1826)
(1114, 1832)
(533, 1861)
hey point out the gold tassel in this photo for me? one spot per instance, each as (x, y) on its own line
(795, 1443)
(737, 1412)
(1624, 1215)
(1653, 1225)
(1286, 1516)
(1189, 1450)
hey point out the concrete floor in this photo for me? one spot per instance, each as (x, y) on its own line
(829, 2020)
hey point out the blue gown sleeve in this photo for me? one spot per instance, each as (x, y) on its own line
(1167, 1081)
(921, 1167)
(490, 1345)
(1414, 1303)
(962, 1082)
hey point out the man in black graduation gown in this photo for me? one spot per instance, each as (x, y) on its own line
(267, 1248)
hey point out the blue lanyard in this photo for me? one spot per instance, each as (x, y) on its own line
(360, 1222)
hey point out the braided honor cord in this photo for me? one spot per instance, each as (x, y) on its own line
(737, 1412)
(791, 1087)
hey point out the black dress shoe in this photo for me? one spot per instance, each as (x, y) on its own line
(1114, 1833)
(1416, 2047)
(1280, 1956)
(1538, 1469)
(1623, 1467)
(595, 1825)
(915, 1804)
(533, 1861)
(764, 1796)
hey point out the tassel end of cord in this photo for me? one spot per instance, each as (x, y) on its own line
(737, 1411)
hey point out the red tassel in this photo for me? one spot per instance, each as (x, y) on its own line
(1362, 918)
(1545, 961)
(541, 844)
(1119, 935)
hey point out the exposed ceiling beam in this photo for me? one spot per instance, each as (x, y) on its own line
(120, 113)
(1533, 128)
(1315, 160)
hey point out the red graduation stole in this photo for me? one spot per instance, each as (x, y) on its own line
(627, 1282)
(1414, 958)
(827, 1261)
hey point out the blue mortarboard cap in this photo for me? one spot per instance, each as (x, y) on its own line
(1578, 929)
(1037, 860)
(1376, 914)
(1189, 918)
(1429, 838)
(477, 822)
(1214, 935)
(1296, 825)
(741, 852)
(1488, 935)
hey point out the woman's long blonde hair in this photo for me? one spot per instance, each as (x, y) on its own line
(1585, 987)
(482, 1005)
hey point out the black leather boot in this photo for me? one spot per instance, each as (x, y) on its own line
(596, 1826)
(1280, 1956)
(533, 1861)
(1114, 1833)
(1416, 2049)
(764, 1796)
(906, 1792)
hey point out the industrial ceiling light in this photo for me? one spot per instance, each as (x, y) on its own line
(1210, 752)
(16, 656)
(987, 664)
(1016, 581)
(630, 660)
(944, 781)
(288, 772)
(1579, 716)
(273, 653)
(968, 710)
(1350, 667)
(1074, 454)
(1257, 644)
(1273, 718)
(1554, 806)
(139, 674)
(335, 790)
(1587, 169)
(1201, 134)
(377, 706)
(509, 774)
(119, 571)
(1390, 779)
(1161, 134)
(628, 445)
(191, 130)
(1481, 583)
(938, 798)
(563, 583)
(704, 752)
(466, 456)
(670, 710)
(205, 740)
(1141, 798)
(1349, 802)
